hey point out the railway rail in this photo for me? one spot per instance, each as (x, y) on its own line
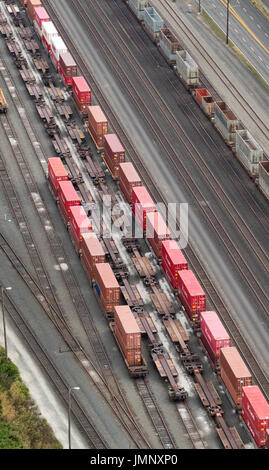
(212, 292)
(105, 361)
(246, 271)
(87, 427)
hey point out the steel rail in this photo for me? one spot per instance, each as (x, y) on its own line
(69, 278)
(39, 352)
(186, 106)
(230, 85)
(246, 271)
(212, 292)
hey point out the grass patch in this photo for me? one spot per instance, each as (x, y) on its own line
(260, 7)
(220, 34)
(21, 425)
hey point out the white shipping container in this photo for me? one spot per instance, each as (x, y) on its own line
(264, 177)
(49, 31)
(138, 7)
(187, 67)
(153, 20)
(247, 147)
(58, 47)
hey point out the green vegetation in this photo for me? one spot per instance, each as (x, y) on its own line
(21, 425)
(220, 34)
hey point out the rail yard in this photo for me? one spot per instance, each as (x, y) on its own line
(167, 343)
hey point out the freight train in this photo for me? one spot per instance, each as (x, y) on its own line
(93, 249)
(244, 146)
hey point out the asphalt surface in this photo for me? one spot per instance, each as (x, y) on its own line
(46, 401)
(248, 30)
(210, 252)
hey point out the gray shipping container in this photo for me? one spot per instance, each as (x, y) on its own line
(264, 177)
(225, 121)
(153, 20)
(138, 7)
(169, 44)
(247, 147)
(187, 68)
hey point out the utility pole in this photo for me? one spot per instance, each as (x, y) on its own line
(199, 6)
(227, 30)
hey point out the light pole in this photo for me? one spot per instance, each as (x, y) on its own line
(69, 413)
(199, 6)
(227, 30)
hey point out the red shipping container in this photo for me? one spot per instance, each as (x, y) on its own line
(234, 373)
(79, 224)
(114, 153)
(173, 261)
(97, 125)
(214, 336)
(106, 286)
(142, 203)
(56, 173)
(40, 16)
(200, 93)
(128, 179)
(191, 294)
(91, 253)
(82, 107)
(67, 67)
(81, 90)
(156, 232)
(67, 197)
(127, 326)
(31, 6)
(255, 412)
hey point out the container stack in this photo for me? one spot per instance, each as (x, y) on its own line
(114, 154)
(187, 68)
(191, 294)
(255, 413)
(97, 125)
(106, 286)
(68, 197)
(128, 179)
(128, 334)
(40, 16)
(156, 232)
(81, 93)
(67, 67)
(80, 224)
(169, 45)
(92, 253)
(225, 121)
(57, 47)
(234, 373)
(142, 203)
(31, 6)
(173, 261)
(213, 335)
(248, 151)
(264, 178)
(48, 32)
(56, 173)
(138, 7)
(153, 23)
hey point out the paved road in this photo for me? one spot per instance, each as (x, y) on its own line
(248, 29)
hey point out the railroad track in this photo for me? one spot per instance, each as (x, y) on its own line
(212, 292)
(229, 84)
(40, 353)
(120, 406)
(165, 115)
